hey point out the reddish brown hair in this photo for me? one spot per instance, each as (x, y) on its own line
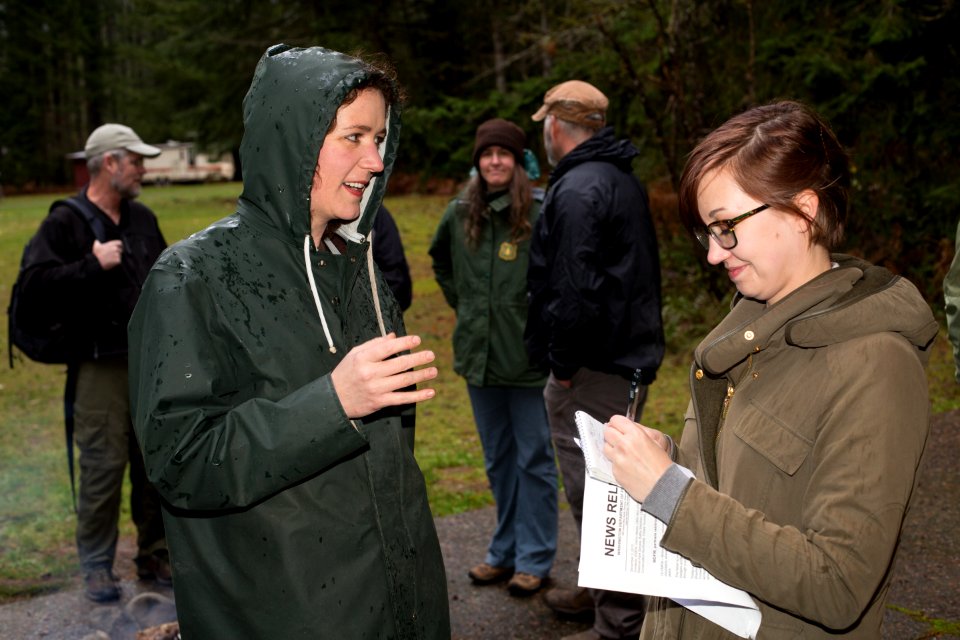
(774, 152)
(380, 75)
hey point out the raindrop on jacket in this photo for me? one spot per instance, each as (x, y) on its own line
(284, 518)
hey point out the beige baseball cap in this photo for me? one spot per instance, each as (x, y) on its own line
(111, 136)
(575, 101)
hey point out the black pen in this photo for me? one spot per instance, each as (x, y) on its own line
(633, 400)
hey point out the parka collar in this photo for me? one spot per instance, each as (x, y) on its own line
(854, 299)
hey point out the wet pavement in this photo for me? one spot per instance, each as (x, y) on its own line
(926, 581)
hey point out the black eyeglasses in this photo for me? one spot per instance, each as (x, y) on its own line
(722, 230)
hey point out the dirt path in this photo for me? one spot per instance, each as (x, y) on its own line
(926, 581)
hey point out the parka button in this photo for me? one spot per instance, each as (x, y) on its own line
(748, 335)
(699, 374)
(353, 258)
(322, 263)
(336, 301)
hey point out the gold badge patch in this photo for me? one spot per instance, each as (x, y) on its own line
(508, 251)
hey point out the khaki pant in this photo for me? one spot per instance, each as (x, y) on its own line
(617, 615)
(106, 443)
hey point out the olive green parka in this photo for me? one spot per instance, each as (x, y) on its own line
(284, 518)
(806, 429)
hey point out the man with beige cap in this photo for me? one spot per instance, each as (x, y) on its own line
(91, 256)
(594, 316)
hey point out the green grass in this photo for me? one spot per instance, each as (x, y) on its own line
(936, 627)
(37, 522)
(36, 518)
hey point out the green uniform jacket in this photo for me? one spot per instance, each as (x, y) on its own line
(951, 295)
(803, 487)
(284, 518)
(487, 287)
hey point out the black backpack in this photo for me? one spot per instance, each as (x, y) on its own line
(49, 341)
(40, 338)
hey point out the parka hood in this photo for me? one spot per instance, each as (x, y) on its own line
(293, 98)
(852, 300)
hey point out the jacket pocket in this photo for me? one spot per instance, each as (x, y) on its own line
(772, 438)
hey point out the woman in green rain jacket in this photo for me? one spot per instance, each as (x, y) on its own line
(267, 404)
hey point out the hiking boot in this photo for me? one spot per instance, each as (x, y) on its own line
(571, 602)
(156, 567)
(101, 585)
(524, 584)
(485, 573)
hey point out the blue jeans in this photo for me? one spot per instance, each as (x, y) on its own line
(519, 459)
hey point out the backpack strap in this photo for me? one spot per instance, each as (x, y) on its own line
(69, 396)
(85, 209)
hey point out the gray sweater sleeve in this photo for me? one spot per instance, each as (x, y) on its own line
(666, 494)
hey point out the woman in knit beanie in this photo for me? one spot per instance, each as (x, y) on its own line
(480, 254)
(499, 148)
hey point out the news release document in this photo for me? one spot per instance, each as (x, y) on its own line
(620, 549)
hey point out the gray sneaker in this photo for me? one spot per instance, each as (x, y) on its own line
(101, 585)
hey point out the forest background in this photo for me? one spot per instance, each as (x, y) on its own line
(883, 72)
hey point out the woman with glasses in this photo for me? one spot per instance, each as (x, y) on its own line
(809, 409)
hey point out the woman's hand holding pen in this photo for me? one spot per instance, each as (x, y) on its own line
(638, 453)
(370, 378)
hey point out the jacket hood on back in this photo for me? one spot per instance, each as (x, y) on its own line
(855, 299)
(602, 147)
(293, 98)
(877, 301)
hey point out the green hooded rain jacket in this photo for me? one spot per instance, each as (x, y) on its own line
(284, 518)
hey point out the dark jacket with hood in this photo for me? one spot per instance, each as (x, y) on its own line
(389, 256)
(62, 273)
(806, 429)
(284, 518)
(594, 274)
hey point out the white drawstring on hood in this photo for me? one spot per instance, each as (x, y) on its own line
(349, 233)
(373, 285)
(316, 295)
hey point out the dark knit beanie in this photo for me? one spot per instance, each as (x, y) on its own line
(501, 133)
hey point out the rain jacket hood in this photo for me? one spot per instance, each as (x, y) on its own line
(284, 517)
(291, 102)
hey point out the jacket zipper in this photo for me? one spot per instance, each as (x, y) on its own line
(723, 411)
(726, 401)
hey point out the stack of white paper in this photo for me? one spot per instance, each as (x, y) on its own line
(620, 549)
